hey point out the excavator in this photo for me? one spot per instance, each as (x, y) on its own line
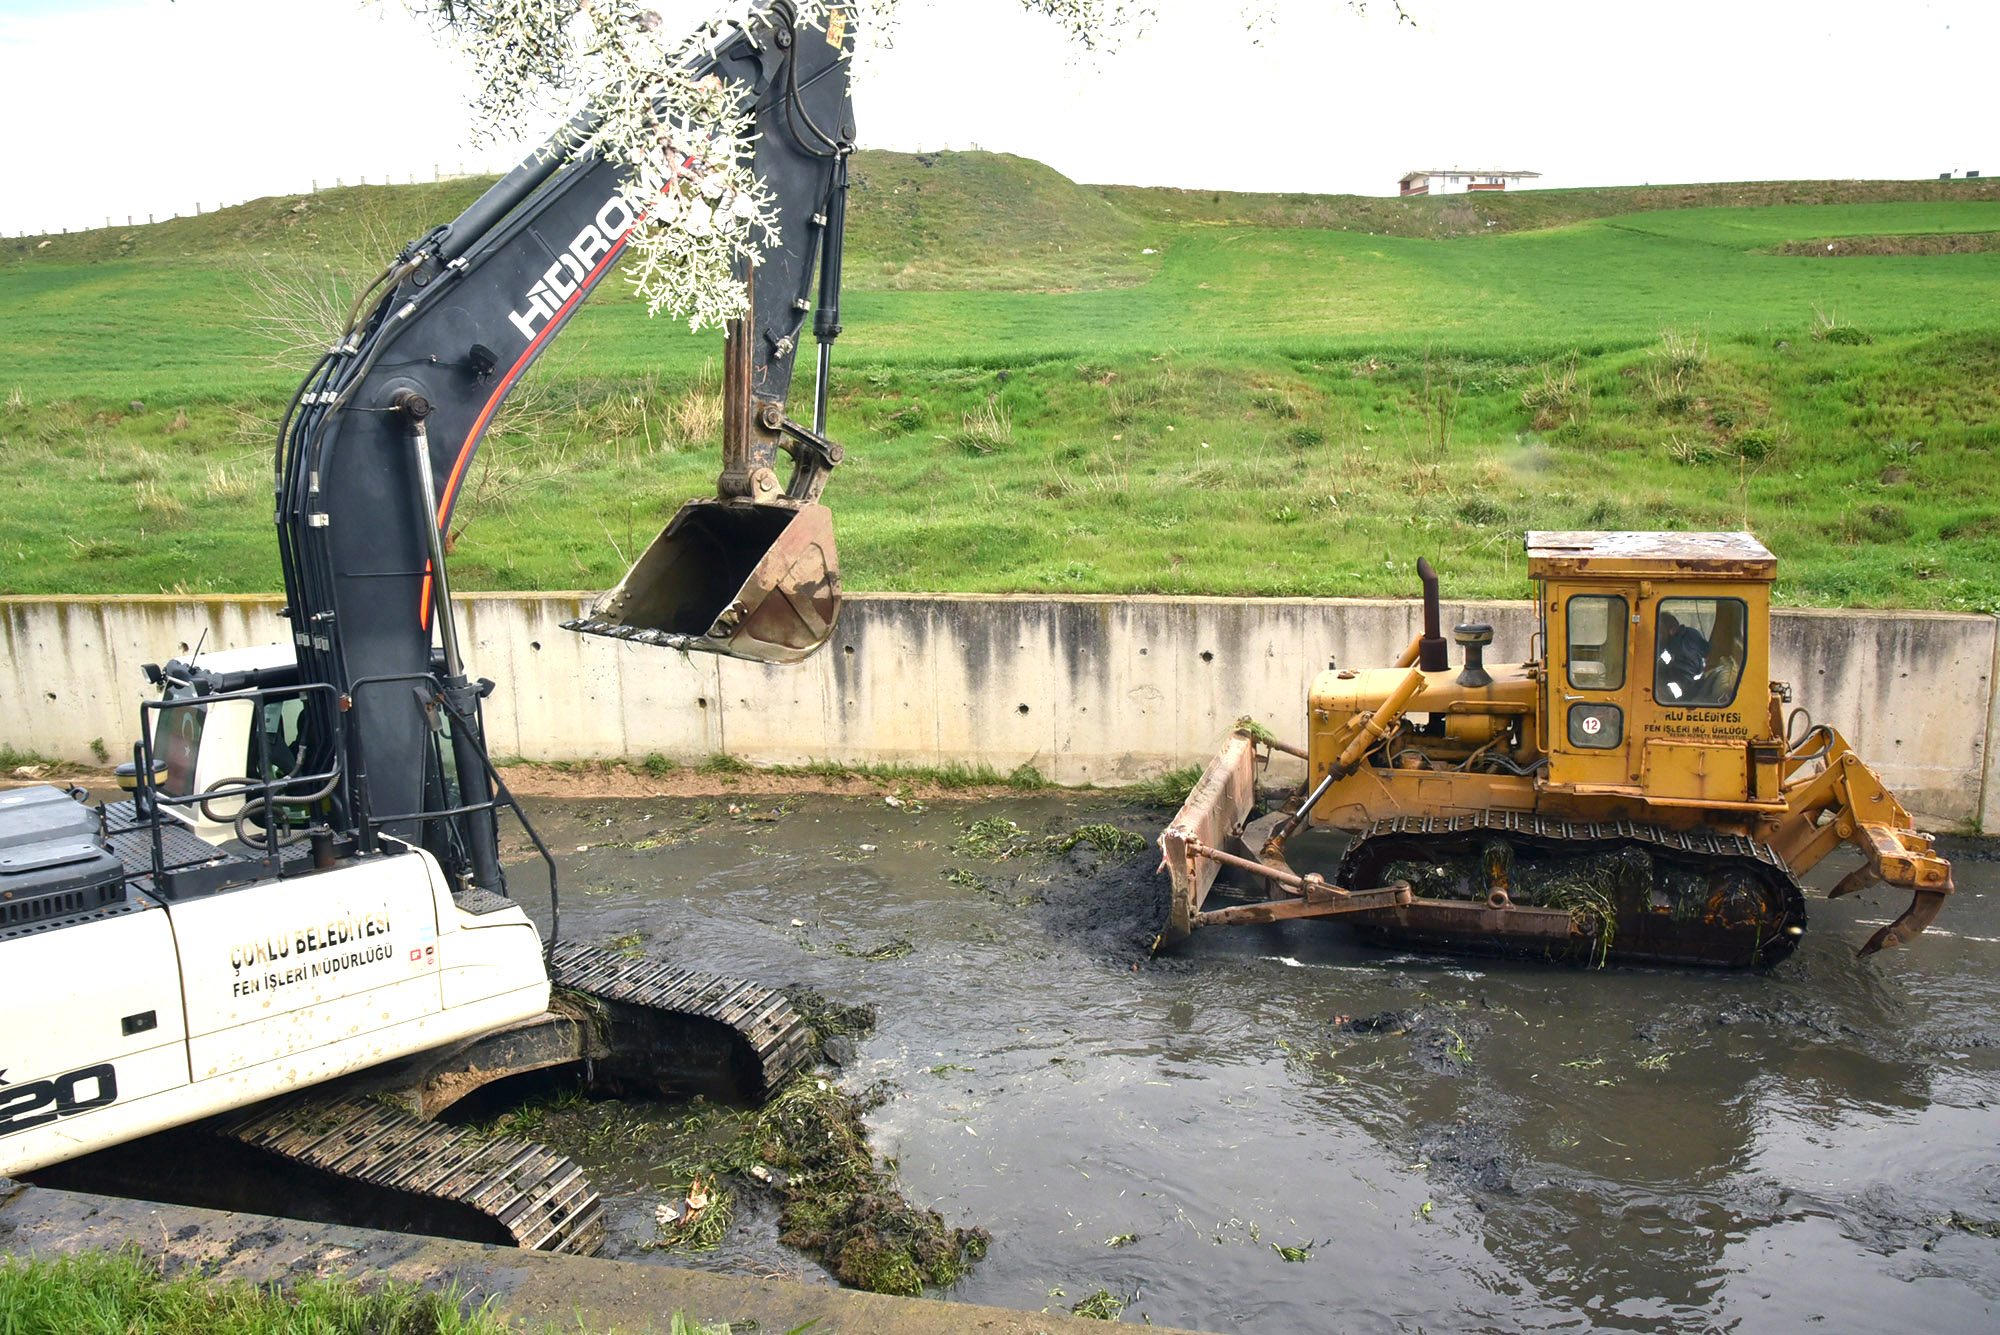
(305, 883)
(1634, 790)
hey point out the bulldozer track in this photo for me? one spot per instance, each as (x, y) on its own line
(1692, 849)
(1693, 843)
(761, 1017)
(540, 1199)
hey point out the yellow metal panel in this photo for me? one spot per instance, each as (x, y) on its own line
(1695, 770)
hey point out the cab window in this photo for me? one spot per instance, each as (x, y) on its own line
(1596, 642)
(177, 740)
(283, 718)
(1699, 647)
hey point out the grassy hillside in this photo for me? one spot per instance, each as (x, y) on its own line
(1517, 210)
(1271, 401)
(984, 220)
(941, 205)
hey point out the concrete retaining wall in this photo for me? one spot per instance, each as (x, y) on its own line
(1102, 690)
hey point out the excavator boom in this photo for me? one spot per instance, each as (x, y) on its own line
(380, 443)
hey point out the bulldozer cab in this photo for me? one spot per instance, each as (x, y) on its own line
(1658, 663)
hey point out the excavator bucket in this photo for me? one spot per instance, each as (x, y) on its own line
(740, 578)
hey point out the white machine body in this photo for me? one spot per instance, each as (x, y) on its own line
(165, 1013)
(124, 1012)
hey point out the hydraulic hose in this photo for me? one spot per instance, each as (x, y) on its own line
(795, 109)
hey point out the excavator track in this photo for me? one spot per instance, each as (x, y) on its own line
(532, 1196)
(369, 1150)
(660, 1030)
(1636, 892)
(752, 1029)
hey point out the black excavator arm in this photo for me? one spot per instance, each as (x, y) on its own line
(376, 447)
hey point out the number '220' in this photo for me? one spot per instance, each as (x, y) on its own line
(24, 1107)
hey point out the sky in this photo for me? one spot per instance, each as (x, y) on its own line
(130, 108)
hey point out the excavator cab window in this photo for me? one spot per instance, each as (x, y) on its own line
(1698, 650)
(1597, 630)
(282, 721)
(177, 740)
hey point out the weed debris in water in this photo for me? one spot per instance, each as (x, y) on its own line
(843, 1208)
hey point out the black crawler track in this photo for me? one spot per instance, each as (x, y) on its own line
(744, 1031)
(532, 1196)
(1698, 897)
(663, 1029)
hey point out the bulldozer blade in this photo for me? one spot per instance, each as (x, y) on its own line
(739, 578)
(1211, 817)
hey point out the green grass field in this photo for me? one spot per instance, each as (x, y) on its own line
(1271, 401)
(124, 1293)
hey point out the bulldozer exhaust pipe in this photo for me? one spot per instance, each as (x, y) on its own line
(1433, 654)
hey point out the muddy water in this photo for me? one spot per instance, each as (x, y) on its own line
(1453, 1145)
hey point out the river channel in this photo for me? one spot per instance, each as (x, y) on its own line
(1277, 1129)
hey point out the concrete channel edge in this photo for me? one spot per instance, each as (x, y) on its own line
(532, 1289)
(1088, 689)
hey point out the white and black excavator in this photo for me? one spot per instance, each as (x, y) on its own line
(306, 881)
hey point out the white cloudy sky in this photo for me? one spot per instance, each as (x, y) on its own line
(120, 107)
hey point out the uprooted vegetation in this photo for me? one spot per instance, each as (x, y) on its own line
(996, 839)
(806, 1150)
(844, 1207)
(830, 1021)
(809, 1148)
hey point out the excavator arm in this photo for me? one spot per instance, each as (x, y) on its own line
(376, 447)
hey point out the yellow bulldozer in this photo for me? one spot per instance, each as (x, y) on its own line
(1635, 790)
